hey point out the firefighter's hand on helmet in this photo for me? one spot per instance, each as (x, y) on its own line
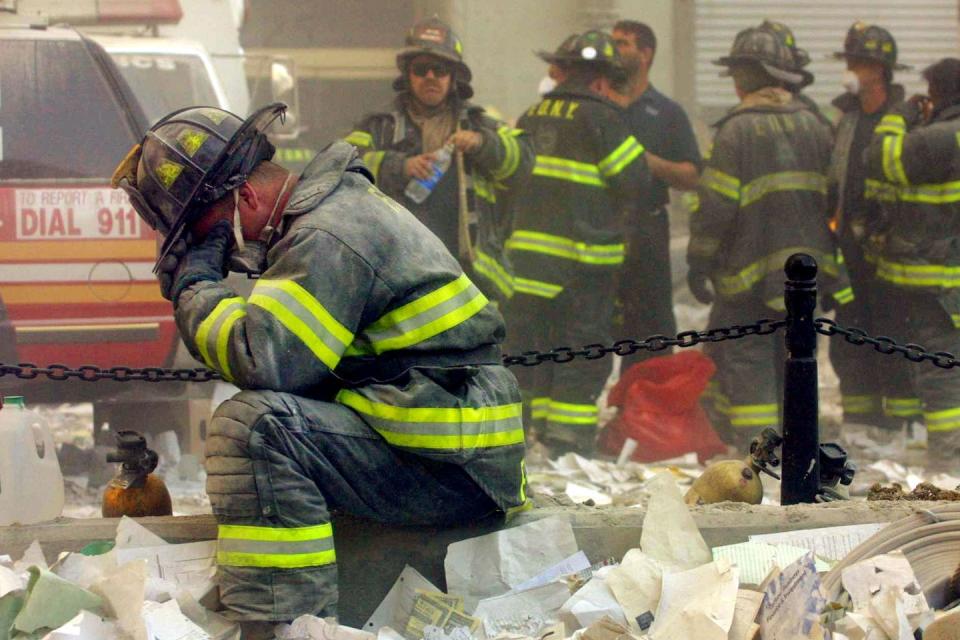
(168, 266)
(700, 287)
(203, 262)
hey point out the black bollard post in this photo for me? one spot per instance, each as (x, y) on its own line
(801, 406)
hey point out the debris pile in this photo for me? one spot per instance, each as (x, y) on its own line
(870, 582)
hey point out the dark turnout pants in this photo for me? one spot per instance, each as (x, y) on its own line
(924, 321)
(278, 464)
(561, 399)
(873, 389)
(646, 281)
(743, 399)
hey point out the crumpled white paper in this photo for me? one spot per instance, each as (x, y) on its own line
(698, 603)
(594, 601)
(493, 564)
(670, 534)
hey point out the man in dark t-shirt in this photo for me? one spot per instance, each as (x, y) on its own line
(662, 127)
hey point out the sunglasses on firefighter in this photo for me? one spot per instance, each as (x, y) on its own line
(440, 69)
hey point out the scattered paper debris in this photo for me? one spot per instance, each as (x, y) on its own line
(166, 622)
(698, 603)
(594, 601)
(792, 603)
(756, 559)
(830, 543)
(636, 584)
(395, 608)
(494, 564)
(526, 613)
(670, 534)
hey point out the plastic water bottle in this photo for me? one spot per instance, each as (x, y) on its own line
(31, 485)
(418, 190)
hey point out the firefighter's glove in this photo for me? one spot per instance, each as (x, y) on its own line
(700, 287)
(206, 261)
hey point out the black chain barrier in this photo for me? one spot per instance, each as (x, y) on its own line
(887, 346)
(559, 355)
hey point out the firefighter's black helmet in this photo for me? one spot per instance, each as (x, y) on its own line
(191, 158)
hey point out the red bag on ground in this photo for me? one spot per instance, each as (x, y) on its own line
(660, 409)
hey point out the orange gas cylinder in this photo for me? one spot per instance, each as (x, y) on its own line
(135, 491)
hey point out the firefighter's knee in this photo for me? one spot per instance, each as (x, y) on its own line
(233, 459)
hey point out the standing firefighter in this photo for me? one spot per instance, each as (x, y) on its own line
(430, 111)
(369, 361)
(872, 393)
(801, 59)
(567, 245)
(662, 127)
(762, 198)
(915, 149)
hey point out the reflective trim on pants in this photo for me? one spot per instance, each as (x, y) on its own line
(902, 407)
(276, 547)
(571, 413)
(946, 420)
(754, 415)
(861, 405)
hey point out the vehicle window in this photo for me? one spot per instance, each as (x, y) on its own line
(58, 114)
(164, 83)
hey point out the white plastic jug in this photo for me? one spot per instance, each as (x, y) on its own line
(31, 485)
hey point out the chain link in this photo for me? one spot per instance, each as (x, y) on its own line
(91, 373)
(559, 355)
(653, 344)
(887, 346)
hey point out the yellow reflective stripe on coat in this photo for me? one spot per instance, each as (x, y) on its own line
(360, 139)
(488, 267)
(305, 317)
(537, 288)
(427, 316)
(919, 275)
(946, 420)
(756, 190)
(945, 193)
(893, 160)
(723, 183)
(879, 190)
(275, 547)
(902, 407)
(754, 415)
(373, 160)
(439, 428)
(892, 123)
(511, 160)
(844, 296)
(621, 157)
(213, 334)
(744, 280)
(572, 413)
(568, 170)
(484, 190)
(561, 247)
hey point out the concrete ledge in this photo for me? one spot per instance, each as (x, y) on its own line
(371, 555)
